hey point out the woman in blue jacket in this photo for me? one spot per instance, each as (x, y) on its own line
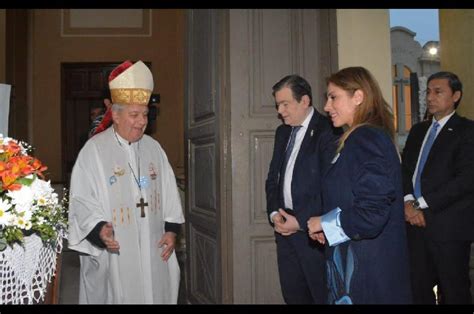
(363, 223)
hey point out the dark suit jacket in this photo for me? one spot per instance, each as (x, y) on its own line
(317, 149)
(447, 180)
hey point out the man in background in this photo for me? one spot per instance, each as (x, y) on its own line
(438, 179)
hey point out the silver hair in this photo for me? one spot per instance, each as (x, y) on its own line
(117, 107)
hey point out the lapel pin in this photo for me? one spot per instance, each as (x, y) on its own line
(312, 131)
(450, 129)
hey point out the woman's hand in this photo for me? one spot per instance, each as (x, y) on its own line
(315, 230)
(319, 236)
(314, 225)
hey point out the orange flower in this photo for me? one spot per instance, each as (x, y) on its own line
(11, 149)
(24, 163)
(8, 180)
(38, 167)
(16, 166)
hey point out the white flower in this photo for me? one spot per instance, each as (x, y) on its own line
(22, 198)
(36, 202)
(5, 205)
(54, 198)
(4, 140)
(26, 215)
(43, 192)
(28, 225)
(42, 201)
(24, 147)
(19, 222)
(5, 216)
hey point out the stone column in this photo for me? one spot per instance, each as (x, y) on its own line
(363, 38)
(457, 49)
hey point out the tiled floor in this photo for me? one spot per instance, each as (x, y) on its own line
(69, 278)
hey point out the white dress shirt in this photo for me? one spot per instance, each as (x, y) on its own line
(291, 163)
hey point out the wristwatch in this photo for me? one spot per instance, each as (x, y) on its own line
(416, 205)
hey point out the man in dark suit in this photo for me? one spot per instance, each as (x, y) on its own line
(438, 179)
(304, 147)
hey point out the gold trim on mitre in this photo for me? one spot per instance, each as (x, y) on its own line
(133, 86)
(130, 96)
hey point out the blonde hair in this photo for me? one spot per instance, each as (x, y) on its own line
(373, 110)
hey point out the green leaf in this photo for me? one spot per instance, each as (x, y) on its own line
(25, 181)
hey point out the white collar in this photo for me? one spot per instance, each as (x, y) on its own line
(306, 121)
(443, 120)
(122, 142)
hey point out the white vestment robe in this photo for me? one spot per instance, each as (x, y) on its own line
(104, 188)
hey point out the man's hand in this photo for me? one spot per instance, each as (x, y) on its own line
(285, 224)
(168, 242)
(414, 216)
(277, 218)
(106, 234)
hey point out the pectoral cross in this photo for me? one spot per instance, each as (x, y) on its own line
(142, 205)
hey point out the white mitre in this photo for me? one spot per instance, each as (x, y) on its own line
(131, 84)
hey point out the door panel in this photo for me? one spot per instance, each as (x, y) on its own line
(233, 59)
(265, 46)
(83, 85)
(203, 206)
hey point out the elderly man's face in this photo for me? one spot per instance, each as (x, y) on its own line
(292, 112)
(130, 123)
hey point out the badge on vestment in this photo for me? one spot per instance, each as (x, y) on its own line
(119, 171)
(112, 180)
(153, 174)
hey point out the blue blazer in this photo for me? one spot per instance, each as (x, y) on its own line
(365, 182)
(316, 151)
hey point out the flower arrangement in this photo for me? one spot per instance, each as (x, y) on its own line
(28, 203)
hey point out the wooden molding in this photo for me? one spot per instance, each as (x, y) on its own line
(105, 23)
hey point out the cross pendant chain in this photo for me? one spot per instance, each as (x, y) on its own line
(142, 205)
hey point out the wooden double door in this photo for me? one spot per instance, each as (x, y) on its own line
(83, 86)
(233, 59)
